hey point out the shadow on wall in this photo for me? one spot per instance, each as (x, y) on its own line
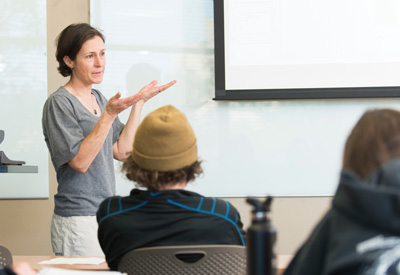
(141, 74)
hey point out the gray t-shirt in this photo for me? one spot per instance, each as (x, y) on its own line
(66, 123)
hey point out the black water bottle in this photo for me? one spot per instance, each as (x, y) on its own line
(261, 238)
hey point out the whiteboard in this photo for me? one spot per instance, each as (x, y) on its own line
(248, 148)
(23, 82)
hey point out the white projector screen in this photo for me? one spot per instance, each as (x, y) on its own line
(267, 49)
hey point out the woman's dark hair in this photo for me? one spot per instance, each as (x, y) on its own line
(374, 140)
(70, 41)
(154, 180)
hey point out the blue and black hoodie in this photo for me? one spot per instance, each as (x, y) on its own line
(173, 217)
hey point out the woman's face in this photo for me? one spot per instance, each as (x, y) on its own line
(89, 64)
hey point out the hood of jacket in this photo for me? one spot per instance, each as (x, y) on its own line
(374, 201)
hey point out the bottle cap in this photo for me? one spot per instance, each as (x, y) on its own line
(260, 206)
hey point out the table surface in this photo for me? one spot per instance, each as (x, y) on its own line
(282, 262)
(34, 262)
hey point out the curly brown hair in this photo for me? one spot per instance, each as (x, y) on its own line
(155, 180)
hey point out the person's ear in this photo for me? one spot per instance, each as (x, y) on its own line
(68, 62)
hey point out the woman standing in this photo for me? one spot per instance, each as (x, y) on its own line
(84, 134)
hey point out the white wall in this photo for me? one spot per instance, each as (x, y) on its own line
(249, 148)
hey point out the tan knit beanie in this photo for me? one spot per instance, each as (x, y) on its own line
(164, 141)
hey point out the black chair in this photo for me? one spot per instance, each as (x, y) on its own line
(187, 260)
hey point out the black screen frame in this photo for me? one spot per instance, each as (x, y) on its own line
(271, 94)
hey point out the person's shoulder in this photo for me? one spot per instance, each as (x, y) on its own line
(61, 95)
(109, 205)
(219, 202)
(219, 207)
(225, 203)
(116, 205)
(215, 202)
(106, 202)
(58, 103)
(60, 92)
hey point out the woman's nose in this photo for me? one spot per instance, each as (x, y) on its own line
(99, 61)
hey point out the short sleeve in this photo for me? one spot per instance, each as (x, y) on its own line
(63, 134)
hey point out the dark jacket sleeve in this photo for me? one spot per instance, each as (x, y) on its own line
(7, 271)
(310, 258)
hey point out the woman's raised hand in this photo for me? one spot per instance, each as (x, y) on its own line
(151, 89)
(116, 104)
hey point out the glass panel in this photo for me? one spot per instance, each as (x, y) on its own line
(23, 82)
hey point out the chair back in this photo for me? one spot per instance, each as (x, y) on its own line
(5, 256)
(197, 259)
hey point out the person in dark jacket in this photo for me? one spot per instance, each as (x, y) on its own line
(163, 161)
(360, 234)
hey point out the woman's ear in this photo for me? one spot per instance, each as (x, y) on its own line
(68, 62)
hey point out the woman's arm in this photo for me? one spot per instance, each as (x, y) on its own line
(92, 144)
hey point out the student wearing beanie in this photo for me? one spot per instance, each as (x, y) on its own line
(163, 161)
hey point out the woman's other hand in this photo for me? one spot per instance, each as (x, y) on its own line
(151, 89)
